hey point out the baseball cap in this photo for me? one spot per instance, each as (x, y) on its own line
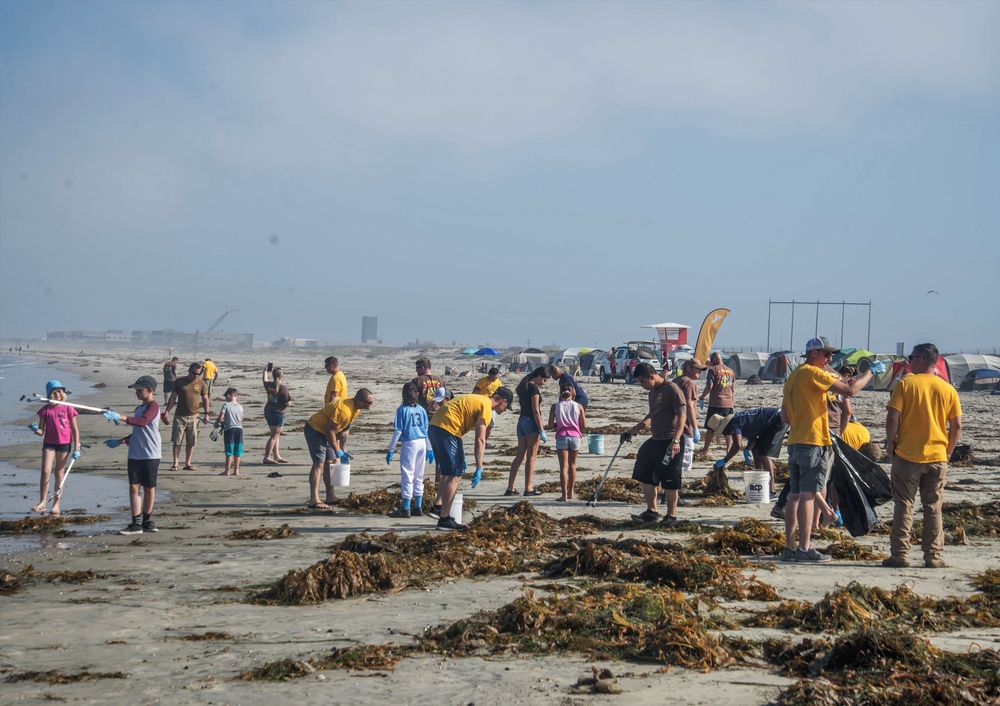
(717, 422)
(146, 382)
(494, 371)
(696, 363)
(441, 394)
(821, 344)
(505, 394)
(54, 385)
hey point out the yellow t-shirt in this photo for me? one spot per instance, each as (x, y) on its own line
(459, 416)
(341, 412)
(925, 404)
(487, 386)
(208, 370)
(805, 403)
(856, 435)
(338, 384)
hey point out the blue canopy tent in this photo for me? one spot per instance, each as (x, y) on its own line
(469, 351)
(487, 351)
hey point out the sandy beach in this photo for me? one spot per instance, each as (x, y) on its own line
(167, 616)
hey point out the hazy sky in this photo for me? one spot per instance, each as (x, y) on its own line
(553, 171)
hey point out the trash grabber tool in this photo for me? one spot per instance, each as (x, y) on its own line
(593, 501)
(42, 398)
(66, 470)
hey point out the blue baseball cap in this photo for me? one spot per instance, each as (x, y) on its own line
(54, 385)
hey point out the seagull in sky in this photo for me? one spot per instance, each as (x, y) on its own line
(932, 291)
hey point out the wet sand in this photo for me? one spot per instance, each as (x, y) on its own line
(189, 580)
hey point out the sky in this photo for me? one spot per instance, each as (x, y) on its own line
(498, 173)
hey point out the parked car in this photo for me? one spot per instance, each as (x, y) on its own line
(626, 357)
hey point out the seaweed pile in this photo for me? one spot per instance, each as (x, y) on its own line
(49, 523)
(11, 583)
(283, 532)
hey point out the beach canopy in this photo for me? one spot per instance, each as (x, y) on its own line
(746, 364)
(470, 351)
(487, 351)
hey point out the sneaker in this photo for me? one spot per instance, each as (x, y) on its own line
(895, 562)
(778, 512)
(935, 563)
(812, 555)
(149, 526)
(133, 528)
(400, 512)
(435, 512)
(668, 520)
(647, 516)
(507, 493)
(787, 554)
(416, 511)
(448, 524)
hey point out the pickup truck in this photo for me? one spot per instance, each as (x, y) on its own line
(626, 357)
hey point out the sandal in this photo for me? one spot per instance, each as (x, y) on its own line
(190, 468)
(318, 506)
(269, 462)
(283, 460)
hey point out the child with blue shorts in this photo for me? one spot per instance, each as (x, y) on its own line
(231, 421)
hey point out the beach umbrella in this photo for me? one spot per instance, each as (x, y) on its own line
(487, 351)
(469, 351)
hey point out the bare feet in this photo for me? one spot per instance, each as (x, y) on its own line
(236, 473)
(224, 473)
(281, 460)
(55, 511)
(826, 520)
(40, 507)
(318, 506)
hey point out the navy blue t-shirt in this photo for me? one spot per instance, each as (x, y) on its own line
(581, 396)
(751, 423)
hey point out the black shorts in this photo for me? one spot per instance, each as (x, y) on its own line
(168, 386)
(769, 443)
(142, 471)
(721, 411)
(59, 448)
(650, 469)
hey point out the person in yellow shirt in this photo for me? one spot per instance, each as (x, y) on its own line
(488, 384)
(322, 433)
(923, 424)
(450, 423)
(209, 372)
(856, 435)
(810, 448)
(336, 389)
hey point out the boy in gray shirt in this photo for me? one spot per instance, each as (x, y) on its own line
(231, 421)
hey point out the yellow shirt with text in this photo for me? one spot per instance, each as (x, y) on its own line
(805, 403)
(459, 416)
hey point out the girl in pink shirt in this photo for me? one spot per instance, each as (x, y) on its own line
(569, 420)
(61, 438)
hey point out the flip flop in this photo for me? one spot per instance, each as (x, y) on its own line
(268, 462)
(334, 502)
(318, 506)
(283, 460)
(173, 468)
(190, 468)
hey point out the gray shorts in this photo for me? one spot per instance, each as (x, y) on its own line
(808, 467)
(568, 443)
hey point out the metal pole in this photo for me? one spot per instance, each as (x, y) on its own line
(869, 344)
(843, 305)
(791, 333)
(816, 324)
(768, 325)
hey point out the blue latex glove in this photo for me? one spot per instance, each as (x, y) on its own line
(543, 436)
(720, 464)
(113, 443)
(34, 427)
(701, 404)
(747, 457)
(388, 457)
(430, 455)
(697, 435)
(346, 456)
(879, 367)
(75, 455)
(112, 416)
(477, 476)
(342, 455)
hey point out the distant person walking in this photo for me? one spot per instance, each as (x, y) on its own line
(568, 419)
(278, 402)
(923, 425)
(529, 430)
(189, 392)
(169, 376)
(721, 392)
(209, 372)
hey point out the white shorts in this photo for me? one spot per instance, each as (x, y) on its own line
(568, 443)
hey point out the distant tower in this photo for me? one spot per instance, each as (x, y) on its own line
(369, 328)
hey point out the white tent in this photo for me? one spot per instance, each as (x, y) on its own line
(746, 364)
(960, 364)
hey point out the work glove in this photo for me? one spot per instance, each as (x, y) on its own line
(747, 457)
(342, 455)
(34, 427)
(701, 404)
(543, 436)
(477, 476)
(697, 436)
(112, 416)
(720, 464)
(879, 367)
(625, 437)
(113, 443)
(430, 455)
(388, 457)
(75, 455)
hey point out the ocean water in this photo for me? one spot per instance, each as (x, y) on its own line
(94, 494)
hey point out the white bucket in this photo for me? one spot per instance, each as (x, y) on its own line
(342, 474)
(456, 508)
(758, 487)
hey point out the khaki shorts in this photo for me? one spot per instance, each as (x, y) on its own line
(185, 430)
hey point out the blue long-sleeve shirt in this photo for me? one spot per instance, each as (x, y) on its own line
(410, 424)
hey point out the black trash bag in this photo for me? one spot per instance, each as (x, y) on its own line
(857, 513)
(871, 477)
